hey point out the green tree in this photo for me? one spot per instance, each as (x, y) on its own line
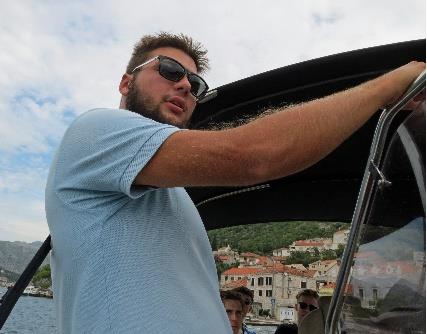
(42, 277)
(221, 267)
(328, 254)
(340, 250)
(304, 258)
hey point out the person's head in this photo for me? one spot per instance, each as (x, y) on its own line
(162, 79)
(287, 329)
(233, 304)
(307, 301)
(248, 298)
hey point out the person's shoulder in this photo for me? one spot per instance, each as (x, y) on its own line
(246, 330)
(103, 118)
(102, 113)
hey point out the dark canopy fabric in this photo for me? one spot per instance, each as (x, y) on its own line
(326, 191)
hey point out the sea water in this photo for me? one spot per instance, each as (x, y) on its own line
(35, 315)
(31, 315)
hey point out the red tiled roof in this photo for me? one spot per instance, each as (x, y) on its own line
(332, 285)
(242, 271)
(366, 255)
(406, 267)
(298, 272)
(249, 255)
(328, 261)
(275, 267)
(384, 268)
(235, 284)
(308, 243)
(264, 260)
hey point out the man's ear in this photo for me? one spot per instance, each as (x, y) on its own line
(124, 84)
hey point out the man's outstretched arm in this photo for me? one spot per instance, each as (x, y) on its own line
(276, 145)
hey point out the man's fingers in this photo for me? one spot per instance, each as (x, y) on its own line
(421, 96)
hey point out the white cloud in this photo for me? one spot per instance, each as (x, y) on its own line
(62, 58)
(22, 219)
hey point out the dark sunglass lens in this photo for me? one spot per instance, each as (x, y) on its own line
(303, 305)
(312, 307)
(198, 86)
(171, 70)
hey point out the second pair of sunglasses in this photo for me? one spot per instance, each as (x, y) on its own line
(171, 70)
(303, 306)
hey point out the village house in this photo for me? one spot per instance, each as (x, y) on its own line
(298, 266)
(419, 258)
(373, 277)
(236, 274)
(274, 287)
(286, 285)
(340, 238)
(328, 269)
(282, 252)
(249, 259)
(226, 255)
(3, 281)
(310, 245)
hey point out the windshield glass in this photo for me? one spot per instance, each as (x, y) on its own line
(386, 291)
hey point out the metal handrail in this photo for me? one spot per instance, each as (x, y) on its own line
(370, 179)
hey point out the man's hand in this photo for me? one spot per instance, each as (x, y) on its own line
(398, 81)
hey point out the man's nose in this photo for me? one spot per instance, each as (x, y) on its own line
(183, 85)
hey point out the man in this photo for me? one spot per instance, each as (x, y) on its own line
(307, 301)
(129, 250)
(248, 299)
(233, 305)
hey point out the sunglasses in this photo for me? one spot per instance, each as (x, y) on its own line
(303, 306)
(171, 70)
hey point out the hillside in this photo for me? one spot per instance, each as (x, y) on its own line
(263, 238)
(14, 256)
(256, 238)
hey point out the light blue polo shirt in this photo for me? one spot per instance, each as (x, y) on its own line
(126, 259)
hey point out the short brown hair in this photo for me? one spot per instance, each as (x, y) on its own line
(244, 291)
(233, 295)
(308, 293)
(182, 42)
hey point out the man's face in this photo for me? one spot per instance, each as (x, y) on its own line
(303, 311)
(234, 313)
(149, 94)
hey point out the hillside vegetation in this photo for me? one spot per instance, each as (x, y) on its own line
(263, 238)
(15, 256)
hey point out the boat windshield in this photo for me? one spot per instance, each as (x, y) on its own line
(386, 291)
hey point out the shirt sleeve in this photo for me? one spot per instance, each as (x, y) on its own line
(104, 150)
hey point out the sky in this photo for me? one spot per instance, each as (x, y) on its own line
(61, 58)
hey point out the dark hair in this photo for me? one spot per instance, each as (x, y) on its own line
(233, 295)
(287, 329)
(244, 291)
(182, 42)
(308, 293)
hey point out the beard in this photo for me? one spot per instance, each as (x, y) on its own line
(145, 106)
